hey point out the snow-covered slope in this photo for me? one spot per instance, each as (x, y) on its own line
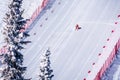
(3, 9)
(29, 6)
(73, 52)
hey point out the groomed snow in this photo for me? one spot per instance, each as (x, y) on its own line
(73, 52)
(30, 6)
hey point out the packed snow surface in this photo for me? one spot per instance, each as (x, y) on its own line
(72, 51)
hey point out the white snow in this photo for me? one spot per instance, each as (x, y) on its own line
(3, 9)
(29, 5)
(72, 52)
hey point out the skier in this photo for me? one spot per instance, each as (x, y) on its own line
(118, 16)
(77, 27)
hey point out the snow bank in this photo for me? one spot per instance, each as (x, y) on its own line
(30, 6)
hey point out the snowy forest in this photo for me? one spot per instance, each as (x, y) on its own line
(15, 35)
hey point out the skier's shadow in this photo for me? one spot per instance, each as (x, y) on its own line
(47, 7)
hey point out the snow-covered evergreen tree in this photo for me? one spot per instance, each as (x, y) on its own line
(12, 61)
(45, 68)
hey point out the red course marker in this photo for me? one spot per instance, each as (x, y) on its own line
(112, 31)
(84, 79)
(116, 22)
(99, 54)
(118, 16)
(89, 71)
(104, 46)
(93, 64)
(108, 39)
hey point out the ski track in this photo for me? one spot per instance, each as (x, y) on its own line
(72, 54)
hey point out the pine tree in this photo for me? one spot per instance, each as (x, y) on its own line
(12, 61)
(45, 68)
